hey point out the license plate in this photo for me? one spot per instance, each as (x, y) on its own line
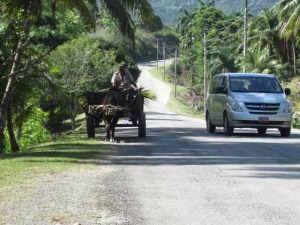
(263, 119)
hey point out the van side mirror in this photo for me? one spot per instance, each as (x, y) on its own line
(287, 91)
(221, 90)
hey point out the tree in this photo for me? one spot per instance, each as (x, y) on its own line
(120, 10)
(83, 65)
(223, 61)
(23, 17)
(78, 66)
(221, 30)
(267, 35)
(259, 61)
(264, 33)
(289, 14)
(185, 21)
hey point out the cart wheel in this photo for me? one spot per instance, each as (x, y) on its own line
(142, 125)
(90, 127)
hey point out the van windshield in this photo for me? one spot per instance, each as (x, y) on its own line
(255, 84)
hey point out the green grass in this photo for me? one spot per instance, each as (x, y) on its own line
(294, 99)
(176, 104)
(70, 151)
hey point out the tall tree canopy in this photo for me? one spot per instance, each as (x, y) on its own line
(35, 25)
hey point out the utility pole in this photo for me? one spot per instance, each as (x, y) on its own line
(164, 53)
(157, 53)
(205, 71)
(245, 33)
(175, 83)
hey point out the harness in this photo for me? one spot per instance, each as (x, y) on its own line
(114, 110)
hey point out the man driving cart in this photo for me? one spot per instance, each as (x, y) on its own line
(123, 81)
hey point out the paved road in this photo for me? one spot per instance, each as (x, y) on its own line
(180, 174)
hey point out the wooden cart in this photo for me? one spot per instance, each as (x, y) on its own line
(94, 113)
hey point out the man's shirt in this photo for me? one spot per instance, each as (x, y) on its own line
(122, 81)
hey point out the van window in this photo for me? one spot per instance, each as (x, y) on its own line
(255, 84)
(224, 82)
(214, 84)
(211, 86)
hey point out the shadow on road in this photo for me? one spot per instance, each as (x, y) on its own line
(270, 155)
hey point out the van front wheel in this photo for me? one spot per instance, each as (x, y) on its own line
(261, 130)
(285, 132)
(209, 126)
(228, 130)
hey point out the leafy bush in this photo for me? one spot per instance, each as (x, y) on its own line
(79, 66)
(33, 129)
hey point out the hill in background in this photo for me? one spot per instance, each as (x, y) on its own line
(168, 10)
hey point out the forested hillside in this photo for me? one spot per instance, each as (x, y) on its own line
(168, 10)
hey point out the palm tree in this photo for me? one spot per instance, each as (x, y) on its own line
(185, 20)
(24, 13)
(259, 61)
(263, 32)
(120, 10)
(223, 61)
(289, 14)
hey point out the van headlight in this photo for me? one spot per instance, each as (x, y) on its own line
(235, 106)
(287, 108)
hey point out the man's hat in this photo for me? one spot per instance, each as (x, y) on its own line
(122, 65)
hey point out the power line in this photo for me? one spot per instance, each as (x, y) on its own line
(170, 49)
(241, 16)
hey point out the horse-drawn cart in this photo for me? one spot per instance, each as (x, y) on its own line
(97, 112)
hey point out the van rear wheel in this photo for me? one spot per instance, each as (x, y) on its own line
(209, 126)
(228, 130)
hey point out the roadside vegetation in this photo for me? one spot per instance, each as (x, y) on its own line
(273, 45)
(53, 52)
(45, 68)
(183, 103)
(69, 151)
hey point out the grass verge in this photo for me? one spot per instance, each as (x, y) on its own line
(176, 104)
(67, 152)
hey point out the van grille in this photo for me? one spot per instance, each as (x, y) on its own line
(263, 108)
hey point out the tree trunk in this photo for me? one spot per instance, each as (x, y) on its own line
(19, 132)
(74, 112)
(7, 95)
(2, 137)
(10, 128)
(294, 58)
(53, 11)
(22, 43)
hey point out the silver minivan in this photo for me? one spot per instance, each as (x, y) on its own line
(248, 100)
